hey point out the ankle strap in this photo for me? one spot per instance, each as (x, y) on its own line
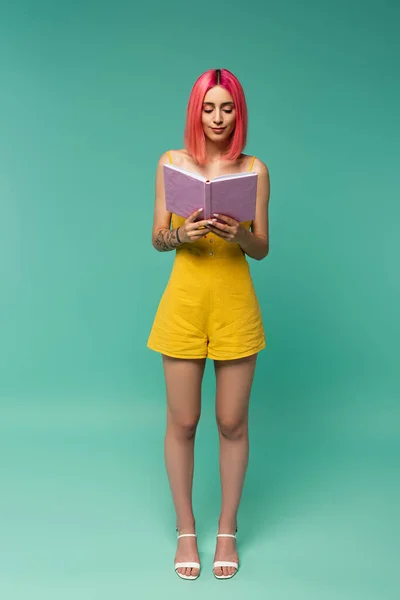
(226, 535)
(187, 535)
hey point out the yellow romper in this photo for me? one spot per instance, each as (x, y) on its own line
(209, 307)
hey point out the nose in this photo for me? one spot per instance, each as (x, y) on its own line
(217, 118)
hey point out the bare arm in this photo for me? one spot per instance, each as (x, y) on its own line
(166, 240)
(256, 243)
(163, 238)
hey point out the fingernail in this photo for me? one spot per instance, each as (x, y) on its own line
(200, 209)
(215, 215)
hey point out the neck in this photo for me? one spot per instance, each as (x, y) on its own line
(216, 150)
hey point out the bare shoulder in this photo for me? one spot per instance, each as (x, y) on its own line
(263, 188)
(179, 157)
(260, 167)
(163, 159)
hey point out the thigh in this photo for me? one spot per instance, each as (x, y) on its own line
(234, 381)
(183, 380)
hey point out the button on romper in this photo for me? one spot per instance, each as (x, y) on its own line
(209, 307)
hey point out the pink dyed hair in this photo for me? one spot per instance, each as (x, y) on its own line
(194, 136)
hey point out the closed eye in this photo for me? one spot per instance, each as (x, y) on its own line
(210, 111)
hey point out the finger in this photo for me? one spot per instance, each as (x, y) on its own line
(228, 220)
(217, 225)
(199, 224)
(197, 232)
(191, 218)
(221, 234)
(195, 238)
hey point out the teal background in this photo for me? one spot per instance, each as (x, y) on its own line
(91, 94)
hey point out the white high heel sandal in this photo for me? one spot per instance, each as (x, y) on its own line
(225, 563)
(187, 564)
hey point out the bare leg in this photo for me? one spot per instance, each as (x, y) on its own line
(234, 382)
(183, 380)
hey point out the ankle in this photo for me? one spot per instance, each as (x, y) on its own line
(227, 526)
(186, 526)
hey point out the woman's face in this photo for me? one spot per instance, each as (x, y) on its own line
(218, 114)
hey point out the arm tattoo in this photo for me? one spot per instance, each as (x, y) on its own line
(166, 240)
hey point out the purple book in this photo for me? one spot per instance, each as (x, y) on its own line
(231, 195)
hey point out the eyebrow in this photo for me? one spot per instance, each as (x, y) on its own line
(223, 104)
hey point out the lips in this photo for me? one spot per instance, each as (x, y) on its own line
(218, 129)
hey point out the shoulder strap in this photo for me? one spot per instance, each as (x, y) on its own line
(251, 163)
(169, 156)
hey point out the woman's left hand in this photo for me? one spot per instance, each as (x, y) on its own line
(230, 231)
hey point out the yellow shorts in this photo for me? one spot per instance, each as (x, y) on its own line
(209, 307)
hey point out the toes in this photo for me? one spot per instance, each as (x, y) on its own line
(188, 571)
(225, 571)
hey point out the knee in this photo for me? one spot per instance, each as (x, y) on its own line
(185, 428)
(232, 429)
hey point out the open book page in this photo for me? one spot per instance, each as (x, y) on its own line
(235, 175)
(219, 177)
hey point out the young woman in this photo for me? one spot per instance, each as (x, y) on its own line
(210, 309)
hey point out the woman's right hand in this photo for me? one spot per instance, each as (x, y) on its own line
(192, 230)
